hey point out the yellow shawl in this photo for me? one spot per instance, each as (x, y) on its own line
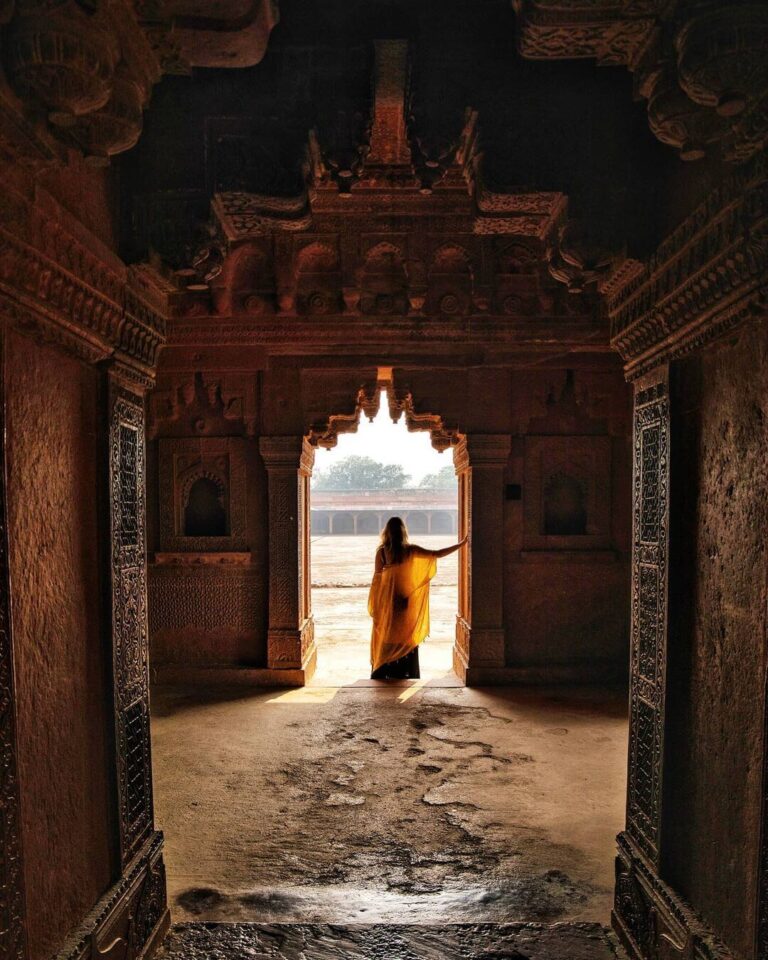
(399, 605)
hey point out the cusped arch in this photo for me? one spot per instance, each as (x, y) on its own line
(452, 258)
(384, 257)
(317, 257)
(516, 257)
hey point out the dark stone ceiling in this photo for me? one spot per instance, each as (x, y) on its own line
(567, 126)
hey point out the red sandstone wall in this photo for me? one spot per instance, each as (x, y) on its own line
(567, 606)
(719, 598)
(59, 650)
(566, 603)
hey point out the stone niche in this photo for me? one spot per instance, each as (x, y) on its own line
(567, 503)
(203, 508)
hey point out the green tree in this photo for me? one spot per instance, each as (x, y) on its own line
(444, 479)
(362, 473)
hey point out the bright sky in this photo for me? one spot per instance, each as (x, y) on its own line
(386, 442)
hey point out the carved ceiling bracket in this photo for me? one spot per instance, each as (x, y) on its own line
(701, 66)
(89, 68)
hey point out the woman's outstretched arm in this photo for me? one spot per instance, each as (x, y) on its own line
(445, 550)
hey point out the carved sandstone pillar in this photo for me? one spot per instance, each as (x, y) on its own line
(139, 844)
(639, 853)
(291, 646)
(480, 463)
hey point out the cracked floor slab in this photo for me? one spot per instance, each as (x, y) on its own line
(360, 806)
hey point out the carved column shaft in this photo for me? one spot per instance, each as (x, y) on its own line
(481, 461)
(639, 845)
(290, 641)
(130, 645)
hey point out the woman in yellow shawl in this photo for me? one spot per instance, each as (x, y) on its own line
(399, 602)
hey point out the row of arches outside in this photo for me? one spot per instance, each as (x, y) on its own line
(366, 522)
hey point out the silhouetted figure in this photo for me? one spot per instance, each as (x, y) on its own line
(399, 602)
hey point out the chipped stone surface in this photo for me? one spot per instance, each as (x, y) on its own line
(389, 804)
(719, 599)
(584, 941)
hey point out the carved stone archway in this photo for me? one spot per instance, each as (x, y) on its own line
(479, 460)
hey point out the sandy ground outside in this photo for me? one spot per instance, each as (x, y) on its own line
(342, 568)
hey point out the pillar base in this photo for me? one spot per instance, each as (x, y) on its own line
(133, 911)
(289, 649)
(478, 654)
(648, 915)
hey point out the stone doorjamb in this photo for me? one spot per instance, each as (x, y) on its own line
(479, 651)
(291, 648)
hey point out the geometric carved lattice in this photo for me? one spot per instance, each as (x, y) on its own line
(137, 798)
(648, 622)
(650, 452)
(130, 668)
(649, 614)
(129, 507)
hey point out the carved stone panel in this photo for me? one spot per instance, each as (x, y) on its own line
(12, 937)
(567, 493)
(649, 611)
(203, 495)
(129, 620)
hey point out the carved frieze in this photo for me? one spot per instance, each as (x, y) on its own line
(712, 57)
(53, 282)
(203, 404)
(613, 33)
(203, 598)
(705, 278)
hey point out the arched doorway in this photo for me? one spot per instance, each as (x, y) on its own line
(360, 479)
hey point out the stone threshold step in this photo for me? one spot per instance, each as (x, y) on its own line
(301, 941)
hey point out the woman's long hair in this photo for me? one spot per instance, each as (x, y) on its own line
(394, 539)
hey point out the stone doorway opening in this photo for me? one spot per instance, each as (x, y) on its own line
(377, 468)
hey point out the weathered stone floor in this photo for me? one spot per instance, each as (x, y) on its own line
(384, 942)
(390, 804)
(357, 802)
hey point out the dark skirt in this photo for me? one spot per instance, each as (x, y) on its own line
(406, 668)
